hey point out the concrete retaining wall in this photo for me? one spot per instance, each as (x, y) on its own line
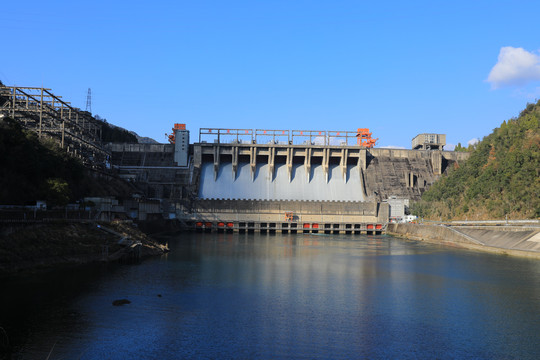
(276, 206)
(435, 233)
(518, 241)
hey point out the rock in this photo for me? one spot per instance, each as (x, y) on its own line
(121, 302)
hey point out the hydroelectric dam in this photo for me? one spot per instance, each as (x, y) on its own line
(243, 179)
(303, 181)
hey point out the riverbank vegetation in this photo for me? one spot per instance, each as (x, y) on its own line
(40, 170)
(500, 179)
(34, 169)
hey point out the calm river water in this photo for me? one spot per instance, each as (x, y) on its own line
(251, 296)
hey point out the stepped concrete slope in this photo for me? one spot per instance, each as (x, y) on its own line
(402, 177)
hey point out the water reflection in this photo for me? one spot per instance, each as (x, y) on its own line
(285, 296)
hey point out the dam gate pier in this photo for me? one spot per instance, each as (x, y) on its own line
(326, 217)
(290, 228)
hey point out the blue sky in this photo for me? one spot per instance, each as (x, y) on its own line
(399, 68)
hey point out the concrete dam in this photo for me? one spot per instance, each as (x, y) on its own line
(275, 180)
(318, 173)
(307, 187)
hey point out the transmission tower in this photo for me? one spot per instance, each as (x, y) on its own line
(89, 101)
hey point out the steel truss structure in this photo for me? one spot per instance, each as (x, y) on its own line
(45, 113)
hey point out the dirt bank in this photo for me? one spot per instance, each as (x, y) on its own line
(37, 246)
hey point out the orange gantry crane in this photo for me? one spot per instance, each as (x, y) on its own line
(172, 137)
(364, 139)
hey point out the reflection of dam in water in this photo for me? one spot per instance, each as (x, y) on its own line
(339, 185)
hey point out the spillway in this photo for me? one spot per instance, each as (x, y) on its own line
(261, 185)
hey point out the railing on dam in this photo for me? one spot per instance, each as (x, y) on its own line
(282, 137)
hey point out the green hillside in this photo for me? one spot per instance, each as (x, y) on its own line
(33, 170)
(501, 177)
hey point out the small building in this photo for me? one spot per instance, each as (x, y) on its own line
(429, 142)
(398, 208)
(107, 207)
(181, 145)
(103, 204)
(144, 209)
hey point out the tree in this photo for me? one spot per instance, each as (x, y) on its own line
(57, 192)
(501, 177)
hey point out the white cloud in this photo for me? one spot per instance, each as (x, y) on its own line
(515, 66)
(473, 141)
(392, 147)
(449, 147)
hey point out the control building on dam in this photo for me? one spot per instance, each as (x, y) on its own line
(281, 180)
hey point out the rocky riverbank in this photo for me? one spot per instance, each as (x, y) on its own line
(43, 245)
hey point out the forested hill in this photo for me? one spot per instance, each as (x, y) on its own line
(33, 170)
(501, 177)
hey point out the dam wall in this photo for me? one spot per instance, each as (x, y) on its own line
(288, 216)
(316, 172)
(280, 186)
(298, 184)
(309, 209)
